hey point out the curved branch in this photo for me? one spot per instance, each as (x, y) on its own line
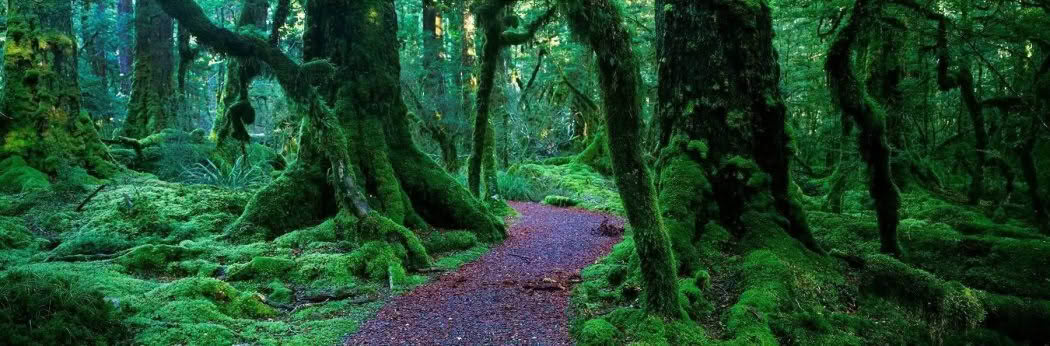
(289, 74)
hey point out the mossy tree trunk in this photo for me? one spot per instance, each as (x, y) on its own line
(357, 159)
(728, 150)
(235, 110)
(962, 79)
(151, 106)
(599, 23)
(853, 99)
(40, 116)
(499, 34)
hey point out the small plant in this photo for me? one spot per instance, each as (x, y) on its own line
(239, 175)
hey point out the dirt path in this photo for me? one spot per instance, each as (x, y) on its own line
(518, 293)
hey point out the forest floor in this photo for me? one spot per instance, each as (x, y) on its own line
(518, 293)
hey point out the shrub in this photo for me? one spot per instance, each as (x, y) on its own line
(517, 188)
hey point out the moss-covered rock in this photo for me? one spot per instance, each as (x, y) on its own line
(147, 258)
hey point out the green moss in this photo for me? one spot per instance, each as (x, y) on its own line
(458, 259)
(13, 235)
(230, 301)
(186, 334)
(597, 332)
(41, 307)
(278, 292)
(260, 268)
(149, 258)
(438, 242)
(16, 176)
(560, 201)
(580, 182)
(947, 305)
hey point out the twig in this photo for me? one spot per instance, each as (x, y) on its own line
(89, 197)
(527, 260)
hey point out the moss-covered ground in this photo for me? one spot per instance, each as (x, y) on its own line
(968, 276)
(147, 261)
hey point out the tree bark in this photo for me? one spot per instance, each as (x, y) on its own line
(40, 116)
(151, 106)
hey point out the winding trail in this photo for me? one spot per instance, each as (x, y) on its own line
(518, 293)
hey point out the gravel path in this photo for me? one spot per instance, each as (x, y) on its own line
(518, 293)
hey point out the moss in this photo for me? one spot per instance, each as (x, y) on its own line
(230, 301)
(458, 259)
(16, 176)
(947, 305)
(439, 242)
(260, 268)
(279, 293)
(40, 307)
(13, 235)
(560, 201)
(149, 258)
(576, 181)
(185, 334)
(597, 332)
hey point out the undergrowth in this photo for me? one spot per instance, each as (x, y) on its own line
(964, 278)
(150, 262)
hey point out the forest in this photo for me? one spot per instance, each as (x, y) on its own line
(525, 172)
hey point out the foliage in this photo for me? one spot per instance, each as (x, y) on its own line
(239, 175)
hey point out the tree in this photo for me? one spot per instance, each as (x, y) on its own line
(855, 102)
(600, 25)
(125, 51)
(345, 164)
(151, 107)
(727, 140)
(40, 115)
(440, 119)
(499, 34)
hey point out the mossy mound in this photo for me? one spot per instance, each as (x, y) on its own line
(16, 176)
(38, 307)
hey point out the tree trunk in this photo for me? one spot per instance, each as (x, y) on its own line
(124, 42)
(728, 141)
(440, 120)
(493, 29)
(150, 108)
(600, 25)
(40, 116)
(235, 109)
(357, 159)
(853, 99)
